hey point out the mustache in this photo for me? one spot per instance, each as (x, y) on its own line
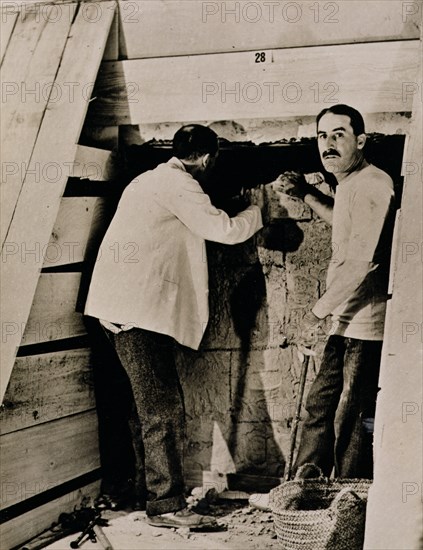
(332, 152)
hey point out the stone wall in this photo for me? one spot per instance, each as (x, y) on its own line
(241, 388)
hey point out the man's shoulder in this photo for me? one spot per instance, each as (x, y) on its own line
(377, 176)
(161, 174)
(373, 181)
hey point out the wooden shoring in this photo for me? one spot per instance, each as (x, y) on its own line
(38, 204)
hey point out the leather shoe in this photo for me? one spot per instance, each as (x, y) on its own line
(182, 518)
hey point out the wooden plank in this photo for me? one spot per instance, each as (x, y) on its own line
(26, 526)
(53, 314)
(103, 137)
(47, 387)
(38, 205)
(41, 457)
(218, 26)
(7, 23)
(24, 6)
(295, 82)
(398, 440)
(93, 163)
(111, 51)
(77, 220)
(28, 73)
(110, 107)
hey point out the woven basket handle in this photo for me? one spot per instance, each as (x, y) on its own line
(345, 495)
(309, 471)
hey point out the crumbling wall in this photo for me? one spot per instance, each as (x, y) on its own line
(240, 390)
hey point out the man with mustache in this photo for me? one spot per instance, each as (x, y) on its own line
(362, 216)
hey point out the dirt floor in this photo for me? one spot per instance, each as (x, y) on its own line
(240, 528)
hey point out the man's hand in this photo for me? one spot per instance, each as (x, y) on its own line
(308, 335)
(291, 183)
(258, 196)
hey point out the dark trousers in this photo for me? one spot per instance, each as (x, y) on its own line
(157, 421)
(349, 367)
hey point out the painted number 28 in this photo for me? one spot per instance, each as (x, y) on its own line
(260, 57)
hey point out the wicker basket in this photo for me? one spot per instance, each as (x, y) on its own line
(319, 513)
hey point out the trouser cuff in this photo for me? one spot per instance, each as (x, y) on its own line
(166, 505)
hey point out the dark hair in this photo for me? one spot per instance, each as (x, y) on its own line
(193, 140)
(357, 122)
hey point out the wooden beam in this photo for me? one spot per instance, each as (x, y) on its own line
(110, 106)
(378, 77)
(16, 531)
(53, 313)
(38, 205)
(92, 163)
(41, 457)
(38, 44)
(394, 513)
(103, 137)
(168, 28)
(77, 220)
(7, 24)
(111, 51)
(47, 387)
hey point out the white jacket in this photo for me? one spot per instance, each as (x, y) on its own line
(151, 270)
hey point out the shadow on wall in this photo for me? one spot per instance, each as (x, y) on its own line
(251, 441)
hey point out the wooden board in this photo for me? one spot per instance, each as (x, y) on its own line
(103, 137)
(7, 23)
(189, 27)
(293, 82)
(19, 530)
(93, 163)
(110, 107)
(53, 314)
(41, 457)
(47, 387)
(38, 205)
(394, 513)
(37, 44)
(78, 217)
(111, 51)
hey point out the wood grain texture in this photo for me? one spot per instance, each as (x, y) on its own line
(28, 74)
(38, 205)
(168, 28)
(398, 429)
(292, 82)
(103, 137)
(19, 530)
(111, 51)
(47, 387)
(72, 229)
(7, 23)
(41, 457)
(92, 163)
(53, 314)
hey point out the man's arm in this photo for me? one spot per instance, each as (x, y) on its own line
(349, 277)
(188, 202)
(321, 204)
(295, 185)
